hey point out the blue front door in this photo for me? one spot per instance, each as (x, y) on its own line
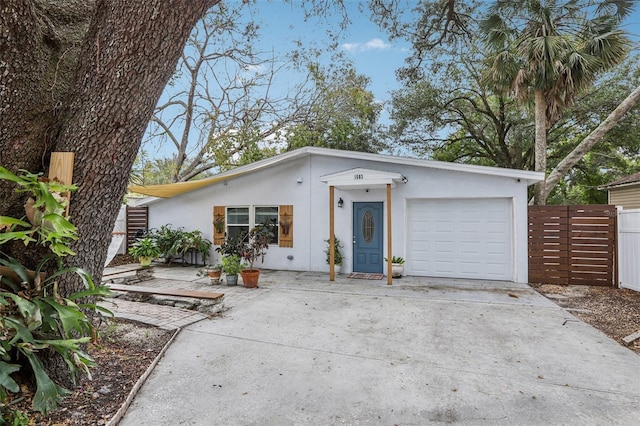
(367, 237)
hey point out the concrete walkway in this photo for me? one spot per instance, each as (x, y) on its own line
(303, 351)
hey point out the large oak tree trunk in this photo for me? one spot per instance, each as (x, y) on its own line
(129, 54)
(39, 45)
(122, 54)
(84, 76)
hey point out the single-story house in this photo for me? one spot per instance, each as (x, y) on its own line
(624, 192)
(445, 219)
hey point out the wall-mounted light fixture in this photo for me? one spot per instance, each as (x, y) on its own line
(404, 179)
(299, 180)
(340, 202)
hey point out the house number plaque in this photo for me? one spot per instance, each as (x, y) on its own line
(358, 177)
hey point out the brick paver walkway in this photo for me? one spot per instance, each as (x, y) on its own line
(164, 317)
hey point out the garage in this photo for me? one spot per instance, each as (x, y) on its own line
(460, 238)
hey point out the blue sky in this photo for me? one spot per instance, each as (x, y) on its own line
(362, 41)
(368, 46)
(373, 55)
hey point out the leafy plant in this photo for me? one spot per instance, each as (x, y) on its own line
(200, 244)
(396, 259)
(34, 317)
(231, 265)
(256, 244)
(145, 247)
(175, 243)
(11, 417)
(45, 221)
(231, 246)
(337, 255)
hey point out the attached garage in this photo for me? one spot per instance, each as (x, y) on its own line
(460, 238)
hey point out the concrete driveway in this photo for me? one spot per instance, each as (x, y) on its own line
(303, 351)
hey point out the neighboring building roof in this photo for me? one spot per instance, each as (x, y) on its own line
(170, 190)
(625, 181)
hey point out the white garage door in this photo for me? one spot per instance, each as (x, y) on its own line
(460, 238)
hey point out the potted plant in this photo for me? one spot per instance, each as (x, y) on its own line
(256, 245)
(232, 266)
(397, 266)
(212, 271)
(195, 242)
(337, 254)
(145, 249)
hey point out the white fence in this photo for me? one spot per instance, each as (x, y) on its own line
(118, 243)
(629, 249)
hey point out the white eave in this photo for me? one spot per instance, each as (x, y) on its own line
(527, 176)
(362, 178)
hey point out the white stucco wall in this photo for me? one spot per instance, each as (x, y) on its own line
(279, 185)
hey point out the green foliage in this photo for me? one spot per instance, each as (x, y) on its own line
(145, 247)
(175, 243)
(231, 246)
(396, 259)
(11, 417)
(231, 264)
(344, 115)
(447, 112)
(34, 317)
(449, 116)
(45, 221)
(558, 48)
(337, 255)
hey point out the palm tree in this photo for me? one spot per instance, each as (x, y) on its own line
(552, 50)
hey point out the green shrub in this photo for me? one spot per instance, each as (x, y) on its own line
(337, 255)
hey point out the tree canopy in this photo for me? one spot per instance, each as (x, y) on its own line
(559, 50)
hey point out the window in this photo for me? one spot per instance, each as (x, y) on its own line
(368, 227)
(268, 216)
(241, 219)
(237, 221)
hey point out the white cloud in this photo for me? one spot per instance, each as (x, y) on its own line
(376, 44)
(373, 44)
(350, 47)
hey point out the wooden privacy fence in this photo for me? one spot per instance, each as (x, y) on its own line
(137, 222)
(572, 245)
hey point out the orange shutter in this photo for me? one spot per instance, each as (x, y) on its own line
(219, 214)
(285, 226)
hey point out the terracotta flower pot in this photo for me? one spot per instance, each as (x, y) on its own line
(214, 275)
(250, 277)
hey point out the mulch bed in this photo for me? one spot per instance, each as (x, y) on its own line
(615, 312)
